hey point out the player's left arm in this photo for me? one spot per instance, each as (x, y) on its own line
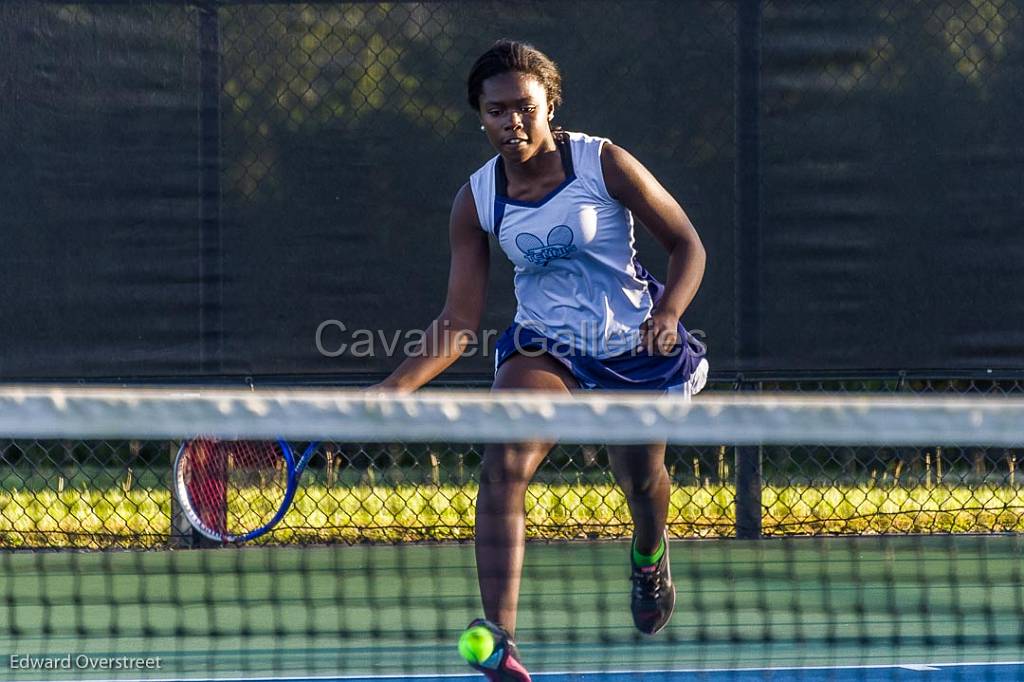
(629, 182)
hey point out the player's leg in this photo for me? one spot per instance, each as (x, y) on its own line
(640, 471)
(505, 473)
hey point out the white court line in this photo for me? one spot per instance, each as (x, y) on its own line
(311, 678)
(877, 666)
(461, 676)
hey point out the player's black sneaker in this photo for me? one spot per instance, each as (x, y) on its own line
(654, 596)
(503, 665)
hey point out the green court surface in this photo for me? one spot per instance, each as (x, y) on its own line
(379, 610)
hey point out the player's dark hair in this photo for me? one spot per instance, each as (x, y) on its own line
(512, 55)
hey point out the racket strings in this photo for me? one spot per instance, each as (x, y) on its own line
(205, 472)
(257, 483)
(235, 487)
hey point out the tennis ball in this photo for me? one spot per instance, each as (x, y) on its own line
(476, 644)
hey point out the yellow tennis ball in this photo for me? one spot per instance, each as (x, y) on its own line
(476, 644)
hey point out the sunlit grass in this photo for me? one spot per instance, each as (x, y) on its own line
(83, 517)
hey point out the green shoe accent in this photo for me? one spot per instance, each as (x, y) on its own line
(648, 560)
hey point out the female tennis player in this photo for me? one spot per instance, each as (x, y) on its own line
(561, 206)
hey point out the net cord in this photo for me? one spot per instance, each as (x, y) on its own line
(476, 416)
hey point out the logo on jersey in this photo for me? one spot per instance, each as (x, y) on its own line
(537, 252)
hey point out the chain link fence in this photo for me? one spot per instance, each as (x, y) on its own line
(117, 494)
(864, 148)
(285, 89)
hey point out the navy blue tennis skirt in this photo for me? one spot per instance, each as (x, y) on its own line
(683, 369)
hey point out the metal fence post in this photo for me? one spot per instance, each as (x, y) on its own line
(210, 236)
(748, 247)
(210, 230)
(747, 226)
(749, 507)
(749, 510)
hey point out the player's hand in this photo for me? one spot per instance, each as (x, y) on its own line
(659, 334)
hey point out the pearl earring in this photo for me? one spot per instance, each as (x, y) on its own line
(481, 127)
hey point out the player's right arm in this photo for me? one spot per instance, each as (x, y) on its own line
(451, 331)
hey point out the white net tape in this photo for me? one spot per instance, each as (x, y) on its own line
(476, 416)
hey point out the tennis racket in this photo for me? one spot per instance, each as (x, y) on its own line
(235, 491)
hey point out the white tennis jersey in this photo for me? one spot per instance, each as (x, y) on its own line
(576, 275)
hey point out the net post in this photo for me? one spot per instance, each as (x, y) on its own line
(748, 485)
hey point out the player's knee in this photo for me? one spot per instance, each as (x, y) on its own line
(640, 483)
(508, 466)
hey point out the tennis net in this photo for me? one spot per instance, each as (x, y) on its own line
(377, 602)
